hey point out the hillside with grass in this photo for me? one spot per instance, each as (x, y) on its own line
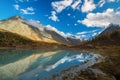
(8, 39)
(12, 39)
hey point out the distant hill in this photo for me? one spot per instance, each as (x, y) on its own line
(111, 28)
(110, 36)
(35, 31)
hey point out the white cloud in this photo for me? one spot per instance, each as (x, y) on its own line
(88, 6)
(16, 6)
(28, 10)
(81, 33)
(82, 36)
(102, 19)
(101, 3)
(78, 21)
(68, 14)
(65, 35)
(59, 6)
(76, 4)
(25, 0)
(53, 16)
(94, 34)
(111, 0)
(75, 24)
(49, 27)
(118, 9)
(87, 32)
(22, 1)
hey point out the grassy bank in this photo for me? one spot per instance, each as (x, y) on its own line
(108, 69)
(111, 65)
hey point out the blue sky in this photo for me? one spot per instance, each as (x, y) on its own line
(83, 18)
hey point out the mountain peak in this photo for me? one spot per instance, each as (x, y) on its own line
(111, 28)
(16, 17)
(113, 25)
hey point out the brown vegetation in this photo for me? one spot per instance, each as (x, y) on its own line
(12, 40)
(101, 41)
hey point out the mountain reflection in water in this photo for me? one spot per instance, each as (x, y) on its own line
(41, 65)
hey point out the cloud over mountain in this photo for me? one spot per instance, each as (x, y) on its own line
(62, 37)
(102, 19)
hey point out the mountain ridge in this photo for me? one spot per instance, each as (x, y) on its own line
(111, 28)
(34, 30)
(109, 37)
(9, 40)
(16, 25)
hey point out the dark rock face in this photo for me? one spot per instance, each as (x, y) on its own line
(69, 40)
(73, 40)
(56, 36)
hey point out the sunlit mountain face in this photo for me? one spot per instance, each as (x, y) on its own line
(81, 18)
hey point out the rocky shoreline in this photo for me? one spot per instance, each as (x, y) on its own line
(102, 70)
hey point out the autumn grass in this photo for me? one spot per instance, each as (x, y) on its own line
(111, 65)
(13, 40)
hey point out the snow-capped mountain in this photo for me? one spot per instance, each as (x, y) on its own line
(34, 30)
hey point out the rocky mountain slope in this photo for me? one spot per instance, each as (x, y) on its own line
(71, 40)
(35, 31)
(111, 28)
(18, 25)
(110, 36)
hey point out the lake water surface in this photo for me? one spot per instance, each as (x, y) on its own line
(41, 64)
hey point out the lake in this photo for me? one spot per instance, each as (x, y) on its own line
(43, 64)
